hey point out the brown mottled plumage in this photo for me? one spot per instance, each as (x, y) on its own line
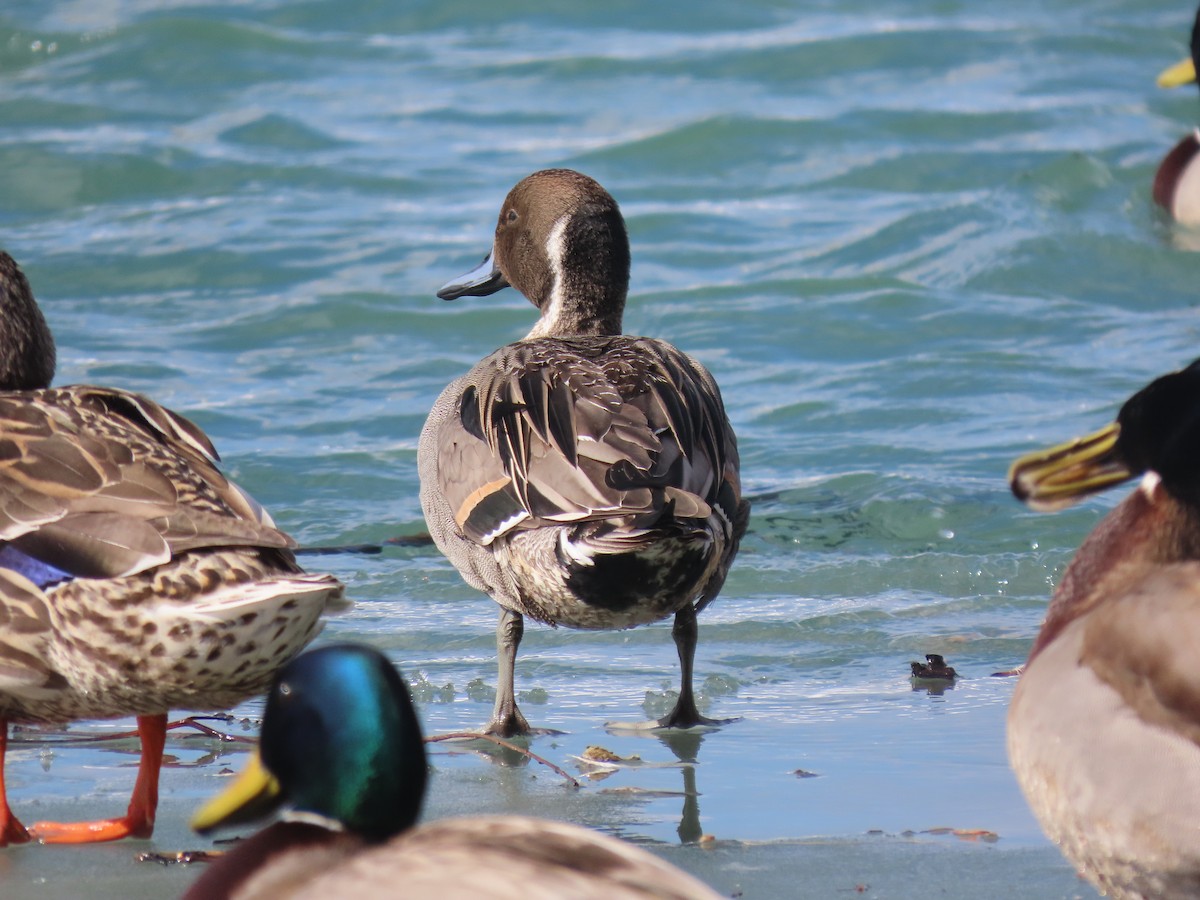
(580, 476)
(134, 577)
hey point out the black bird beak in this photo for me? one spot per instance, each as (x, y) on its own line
(484, 279)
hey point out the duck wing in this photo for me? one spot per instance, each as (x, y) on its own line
(1142, 645)
(102, 483)
(565, 430)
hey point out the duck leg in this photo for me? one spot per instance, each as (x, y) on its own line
(685, 714)
(507, 720)
(138, 820)
(11, 830)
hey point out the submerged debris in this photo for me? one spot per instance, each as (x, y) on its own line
(598, 762)
(966, 834)
(596, 753)
(180, 857)
(933, 669)
(1009, 673)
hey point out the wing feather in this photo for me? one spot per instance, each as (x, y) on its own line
(584, 429)
(104, 483)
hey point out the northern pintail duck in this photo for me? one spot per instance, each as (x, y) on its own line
(1177, 182)
(134, 578)
(1104, 726)
(342, 751)
(580, 476)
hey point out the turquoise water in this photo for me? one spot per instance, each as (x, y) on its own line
(911, 240)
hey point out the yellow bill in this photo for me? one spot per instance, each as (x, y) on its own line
(1179, 74)
(253, 794)
(1053, 479)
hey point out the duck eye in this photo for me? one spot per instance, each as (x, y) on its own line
(512, 216)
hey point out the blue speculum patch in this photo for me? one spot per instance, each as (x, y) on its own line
(40, 573)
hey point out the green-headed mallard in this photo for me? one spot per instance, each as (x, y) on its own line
(1104, 726)
(1177, 181)
(341, 749)
(134, 578)
(580, 476)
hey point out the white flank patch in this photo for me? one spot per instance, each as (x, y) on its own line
(556, 251)
(581, 554)
(511, 522)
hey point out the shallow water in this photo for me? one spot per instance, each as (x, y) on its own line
(911, 240)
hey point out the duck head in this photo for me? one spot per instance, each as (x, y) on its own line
(1156, 435)
(1157, 431)
(561, 241)
(341, 747)
(26, 344)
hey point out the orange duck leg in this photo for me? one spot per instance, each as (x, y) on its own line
(11, 830)
(138, 820)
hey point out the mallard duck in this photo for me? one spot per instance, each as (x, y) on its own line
(580, 476)
(1177, 182)
(1104, 726)
(342, 749)
(134, 578)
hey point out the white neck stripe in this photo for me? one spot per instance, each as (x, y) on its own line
(556, 251)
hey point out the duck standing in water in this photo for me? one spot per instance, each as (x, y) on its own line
(342, 750)
(134, 578)
(1177, 181)
(1104, 726)
(580, 476)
